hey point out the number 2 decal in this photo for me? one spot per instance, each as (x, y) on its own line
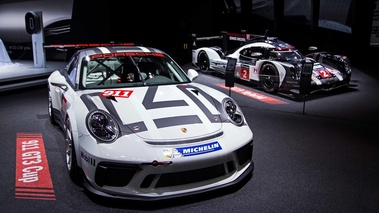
(245, 73)
(324, 73)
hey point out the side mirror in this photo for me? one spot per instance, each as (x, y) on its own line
(192, 74)
(60, 82)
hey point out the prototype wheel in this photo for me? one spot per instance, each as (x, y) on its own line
(71, 161)
(50, 108)
(269, 78)
(203, 61)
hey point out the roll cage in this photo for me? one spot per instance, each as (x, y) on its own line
(129, 69)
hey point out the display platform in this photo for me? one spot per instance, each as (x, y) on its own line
(22, 73)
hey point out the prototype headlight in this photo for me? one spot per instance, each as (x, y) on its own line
(102, 126)
(345, 64)
(233, 111)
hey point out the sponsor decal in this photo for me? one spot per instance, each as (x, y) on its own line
(234, 38)
(33, 180)
(255, 95)
(191, 150)
(117, 93)
(87, 158)
(237, 37)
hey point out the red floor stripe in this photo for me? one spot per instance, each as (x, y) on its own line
(33, 180)
(255, 95)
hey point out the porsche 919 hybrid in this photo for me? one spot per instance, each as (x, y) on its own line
(274, 64)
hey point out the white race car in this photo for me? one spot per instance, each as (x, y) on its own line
(137, 127)
(274, 64)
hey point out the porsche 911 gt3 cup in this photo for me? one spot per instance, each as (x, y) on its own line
(138, 127)
(274, 64)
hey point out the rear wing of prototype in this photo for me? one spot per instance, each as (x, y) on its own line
(226, 37)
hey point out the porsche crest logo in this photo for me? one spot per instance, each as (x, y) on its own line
(184, 130)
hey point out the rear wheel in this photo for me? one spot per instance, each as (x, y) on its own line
(203, 61)
(71, 161)
(269, 78)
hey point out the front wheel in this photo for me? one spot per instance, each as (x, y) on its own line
(269, 78)
(71, 161)
(203, 61)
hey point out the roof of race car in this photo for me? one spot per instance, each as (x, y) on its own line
(119, 50)
(272, 42)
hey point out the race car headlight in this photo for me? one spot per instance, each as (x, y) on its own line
(233, 112)
(346, 64)
(102, 126)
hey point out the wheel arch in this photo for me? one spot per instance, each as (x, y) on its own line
(212, 54)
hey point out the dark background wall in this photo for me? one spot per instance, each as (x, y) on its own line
(168, 24)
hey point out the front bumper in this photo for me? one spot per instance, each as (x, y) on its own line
(134, 169)
(139, 181)
(329, 84)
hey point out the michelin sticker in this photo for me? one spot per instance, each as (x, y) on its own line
(191, 150)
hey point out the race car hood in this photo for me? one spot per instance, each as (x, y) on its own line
(170, 112)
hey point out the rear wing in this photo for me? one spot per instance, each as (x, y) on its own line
(70, 48)
(82, 45)
(230, 40)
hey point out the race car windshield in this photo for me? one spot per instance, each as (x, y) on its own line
(292, 55)
(130, 70)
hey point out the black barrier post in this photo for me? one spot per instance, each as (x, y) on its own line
(229, 73)
(246, 39)
(224, 36)
(305, 77)
(305, 80)
(194, 39)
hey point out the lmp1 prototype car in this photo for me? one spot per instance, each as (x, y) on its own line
(274, 64)
(138, 127)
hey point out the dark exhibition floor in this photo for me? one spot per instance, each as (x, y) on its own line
(316, 155)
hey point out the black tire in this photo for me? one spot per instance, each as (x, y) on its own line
(269, 78)
(203, 61)
(71, 161)
(50, 108)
